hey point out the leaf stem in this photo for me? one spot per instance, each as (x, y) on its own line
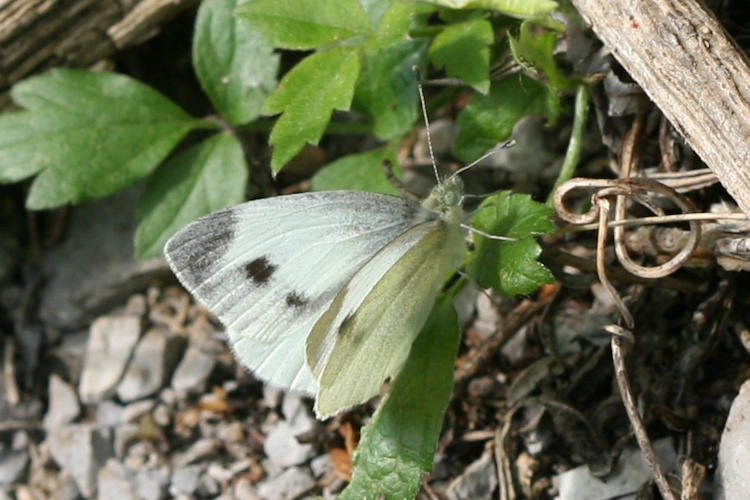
(573, 153)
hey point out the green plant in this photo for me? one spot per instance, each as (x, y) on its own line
(87, 135)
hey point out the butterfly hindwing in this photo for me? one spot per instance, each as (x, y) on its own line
(270, 268)
(366, 334)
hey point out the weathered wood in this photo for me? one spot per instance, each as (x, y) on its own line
(684, 60)
(39, 34)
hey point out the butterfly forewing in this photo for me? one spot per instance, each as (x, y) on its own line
(366, 334)
(270, 268)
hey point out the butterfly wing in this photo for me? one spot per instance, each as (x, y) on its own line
(366, 334)
(269, 268)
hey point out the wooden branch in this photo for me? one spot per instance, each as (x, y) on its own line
(38, 34)
(687, 64)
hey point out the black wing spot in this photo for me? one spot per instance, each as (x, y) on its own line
(296, 300)
(260, 270)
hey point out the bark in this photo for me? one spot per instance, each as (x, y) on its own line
(38, 34)
(687, 64)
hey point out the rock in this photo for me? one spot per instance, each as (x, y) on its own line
(110, 346)
(283, 449)
(151, 483)
(185, 480)
(114, 480)
(80, 449)
(198, 450)
(732, 478)
(296, 413)
(13, 465)
(477, 482)
(109, 414)
(63, 403)
(244, 489)
(99, 240)
(322, 466)
(199, 360)
(134, 411)
(152, 362)
(630, 472)
(290, 484)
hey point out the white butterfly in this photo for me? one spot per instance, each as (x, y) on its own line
(323, 293)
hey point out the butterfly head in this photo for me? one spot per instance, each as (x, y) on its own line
(445, 199)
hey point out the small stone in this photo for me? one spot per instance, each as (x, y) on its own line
(111, 343)
(125, 434)
(153, 360)
(198, 450)
(244, 489)
(80, 449)
(296, 413)
(63, 403)
(134, 411)
(199, 360)
(151, 483)
(283, 449)
(732, 479)
(185, 480)
(13, 464)
(321, 466)
(477, 482)
(115, 481)
(230, 432)
(109, 414)
(162, 416)
(290, 484)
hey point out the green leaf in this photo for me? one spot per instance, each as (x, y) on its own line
(302, 24)
(307, 96)
(463, 50)
(517, 8)
(89, 134)
(397, 21)
(510, 267)
(489, 119)
(234, 64)
(207, 177)
(398, 444)
(387, 88)
(362, 171)
(537, 53)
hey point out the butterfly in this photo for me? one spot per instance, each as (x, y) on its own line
(323, 293)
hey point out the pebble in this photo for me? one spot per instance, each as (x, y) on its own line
(477, 482)
(114, 480)
(290, 484)
(283, 449)
(110, 346)
(185, 480)
(80, 449)
(153, 360)
(13, 464)
(732, 478)
(63, 403)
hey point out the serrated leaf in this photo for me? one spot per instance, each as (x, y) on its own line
(89, 134)
(207, 177)
(387, 88)
(362, 171)
(398, 444)
(489, 119)
(302, 24)
(536, 53)
(510, 267)
(396, 22)
(307, 96)
(517, 8)
(463, 50)
(236, 67)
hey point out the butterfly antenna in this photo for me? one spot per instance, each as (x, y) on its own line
(507, 144)
(426, 121)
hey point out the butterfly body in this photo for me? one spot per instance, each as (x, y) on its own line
(323, 293)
